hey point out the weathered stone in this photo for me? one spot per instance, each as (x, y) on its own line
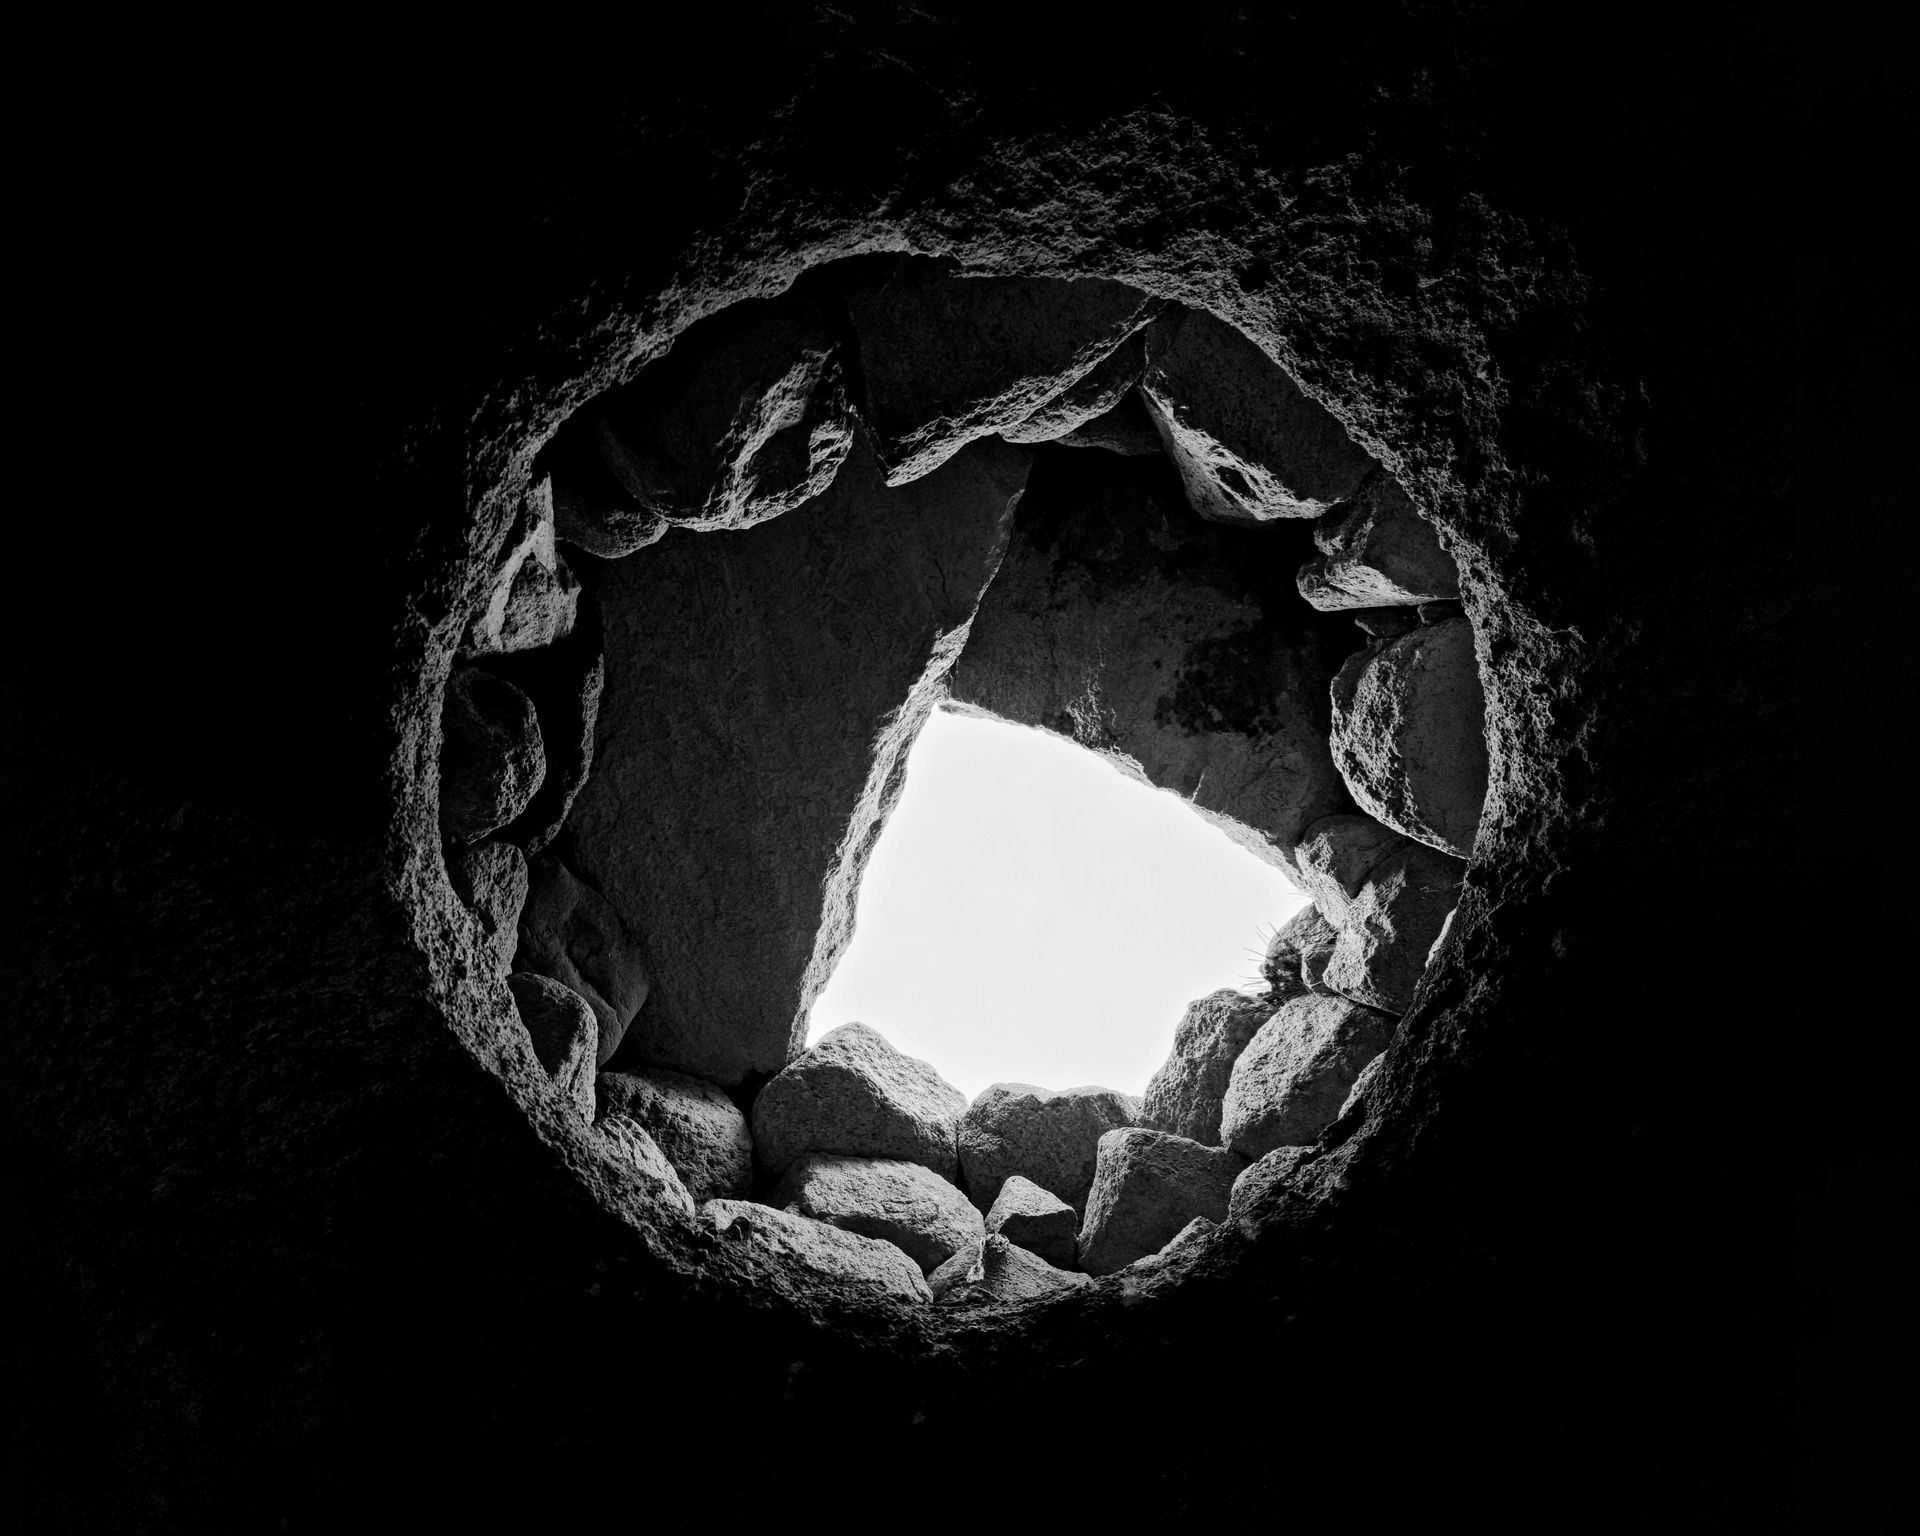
(1127, 429)
(1440, 612)
(699, 1128)
(901, 1203)
(1048, 1137)
(997, 1270)
(854, 1094)
(491, 881)
(1336, 854)
(1148, 1186)
(1097, 393)
(565, 1034)
(1377, 550)
(1392, 927)
(591, 508)
(1184, 1097)
(763, 689)
(564, 681)
(1249, 445)
(820, 1246)
(1193, 1232)
(1408, 734)
(1385, 623)
(571, 933)
(948, 359)
(491, 756)
(534, 598)
(1354, 1094)
(1036, 1219)
(1298, 953)
(1291, 1080)
(1259, 1178)
(639, 1157)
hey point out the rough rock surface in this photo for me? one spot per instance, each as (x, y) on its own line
(1336, 854)
(1385, 623)
(1392, 927)
(738, 787)
(1036, 1219)
(491, 756)
(1048, 1137)
(1377, 550)
(565, 1034)
(818, 1245)
(1291, 1080)
(591, 508)
(1127, 429)
(1184, 1096)
(1354, 1094)
(630, 1146)
(1249, 445)
(948, 359)
(1298, 953)
(1081, 404)
(1259, 1177)
(533, 599)
(1191, 1233)
(570, 932)
(997, 1270)
(491, 881)
(852, 1093)
(699, 1128)
(1123, 621)
(1149, 1185)
(564, 681)
(901, 1203)
(1409, 734)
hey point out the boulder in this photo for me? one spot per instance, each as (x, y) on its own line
(699, 1129)
(1248, 443)
(1192, 1233)
(491, 882)
(634, 1152)
(1127, 429)
(1376, 550)
(1148, 1186)
(1393, 926)
(564, 681)
(1358, 1091)
(1259, 1178)
(852, 1093)
(591, 508)
(905, 1204)
(571, 933)
(1298, 953)
(1336, 854)
(1291, 1080)
(1036, 1220)
(1184, 1096)
(565, 1034)
(534, 599)
(1050, 1138)
(491, 755)
(1409, 737)
(947, 359)
(996, 1270)
(1093, 397)
(787, 1238)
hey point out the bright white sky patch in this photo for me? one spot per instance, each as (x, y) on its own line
(1032, 915)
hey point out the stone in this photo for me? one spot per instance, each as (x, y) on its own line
(826, 1249)
(565, 1034)
(1298, 953)
(491, 756)
(698, 1128)
(997, 1270)
(1385, 623)
(852, 1093)
(1093, 397)
(1036, 1220)
(564, 680)
(1051, 1138)
(491, 881)
(1127, 429)
(591, 508)
(637, 1155)
(1248, 443)
(571, 933)
(1440, 612)
(1409, 738)
(947, 358)
(901, 1203)
(1259, 1179)
(1393, 926)
(1148, 1186)
(1192, 1233)
(1360, 1084)
(1376, 550)
(1291, 1080)
(1336, 854)
(534, 599)
(1184, 1096)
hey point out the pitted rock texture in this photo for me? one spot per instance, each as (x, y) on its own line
(1298, 953)
(997, 1270)
(1035, 1219)
(1121, 620)
(1048, 1137)
(491, 881)
(1291, 1080)
(570, 932)
(948, 359)
(565, 1035)
(901, 1203)
(1149, 1185)
(698, 1128)
(1184, 1096)
(739, 788)
(534, 599)
(1193, 1232)
(819, 1246)
(563, 680)
(1336, 854)
(1257, 1182)
(1392, 927)
(1409, 734)
(1377, 550)
(852, 1093)
(1249, 445)
(1127, 429)
(640, 1159)
(1089, 400)
(491, 756)
(1358, 1091)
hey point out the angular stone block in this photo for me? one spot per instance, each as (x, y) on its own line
(1392, 927)
(823, 1248)
(571, 933)
(997, 1270)
(1291, 1080)
(1083, 403)
(491, 881)
(1148, 1186)
(1336, 854)
(1036, 1220)
(1184, 1096)
(534, 598)
(901, 1203)
(634, 1151)
(699, 1129)
(565, 1034)
(1259, 1179)
(1048, 1137)
(491, 756)
(1376, 550)
(1298, 953)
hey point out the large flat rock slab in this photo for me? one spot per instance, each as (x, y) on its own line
(1148, 1188)
(1051, 1138)
(698, 1128)
(901, 1203)
(1291, 1080)
(1184, 1096)
(820, 1246)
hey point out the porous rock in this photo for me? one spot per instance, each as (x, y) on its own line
(1096, 394)
(1050, 1138)
(901, 1203)
(564, 681)
(996, 1270)
(1192, 1233)
(696, 1125)
(1259, 1178)
(1376, 550)
(641, 1159)
(820, 1246)
(534, 598)
(571, 933)
(852, 1093)
(1148, 1186)
(565, 1034)
(1392, 927)
(1292, 1078)
(491, 882)
(1249, 445)
(1336, 854)
(1298, 953)
(491, 756)
(1184, 1096)
(1408, 734)
(1354, 1094)
(1035, 1219)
